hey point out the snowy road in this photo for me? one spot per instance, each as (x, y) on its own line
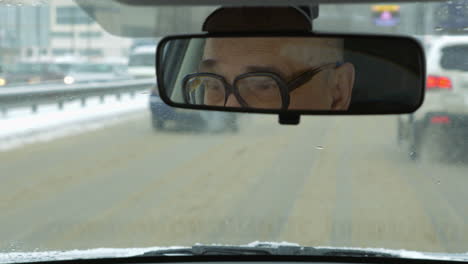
(338, 181)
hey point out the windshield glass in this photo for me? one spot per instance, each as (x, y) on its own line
(108, 165)
(29, 67)
(454, 58)
(146, 59)
(64, 67)
(92, 68)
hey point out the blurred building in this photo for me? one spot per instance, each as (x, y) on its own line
(24, 31)
(418, 18)
(73, 32)
(55, 29)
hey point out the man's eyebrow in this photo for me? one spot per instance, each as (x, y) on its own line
(273, 69)
(207, 64)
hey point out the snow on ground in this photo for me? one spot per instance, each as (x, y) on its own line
(21, 126)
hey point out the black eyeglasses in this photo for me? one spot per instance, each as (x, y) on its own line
(254, 89)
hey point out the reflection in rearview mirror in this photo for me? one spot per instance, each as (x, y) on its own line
(292, 73)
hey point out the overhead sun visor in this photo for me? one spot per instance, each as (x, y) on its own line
(155, 18)
(145, 21)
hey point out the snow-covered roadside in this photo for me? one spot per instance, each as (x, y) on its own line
(21, 127)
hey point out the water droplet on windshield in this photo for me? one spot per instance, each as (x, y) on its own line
(145, 92)
(438, 182)
(438, 28)
(319, 147)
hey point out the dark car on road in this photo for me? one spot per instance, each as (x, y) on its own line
(31, 73)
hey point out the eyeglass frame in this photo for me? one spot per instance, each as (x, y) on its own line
(285, 87)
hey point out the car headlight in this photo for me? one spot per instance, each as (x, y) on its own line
(34, 80)
(2, 82)
(68, 80)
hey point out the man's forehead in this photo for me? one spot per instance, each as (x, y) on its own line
(293, 48)
(262, 44)
(228, 46)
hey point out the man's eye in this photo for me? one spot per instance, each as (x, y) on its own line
(194, 84)
(264, 86)
(212, 86)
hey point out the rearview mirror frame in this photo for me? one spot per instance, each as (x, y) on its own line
(292, 116)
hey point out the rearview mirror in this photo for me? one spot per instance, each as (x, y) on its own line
(292, 74)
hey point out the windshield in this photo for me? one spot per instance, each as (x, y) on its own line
(64, 67)
(92, 68)
(106, 164)
(454, 58)
(145, 60)
(29, 67)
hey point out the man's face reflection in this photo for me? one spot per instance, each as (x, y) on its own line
(262, 70)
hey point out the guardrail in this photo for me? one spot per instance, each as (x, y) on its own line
(35, 95)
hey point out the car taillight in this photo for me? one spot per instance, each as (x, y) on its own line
(438, 82)
(440, 120)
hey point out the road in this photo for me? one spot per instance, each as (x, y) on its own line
(332, 181)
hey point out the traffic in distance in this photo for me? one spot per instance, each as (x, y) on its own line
(440, 121)
(139, 64)
(74, 69)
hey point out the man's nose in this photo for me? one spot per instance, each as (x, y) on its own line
(232, 101)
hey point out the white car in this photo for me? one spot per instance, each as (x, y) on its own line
(442, 121)
(96, 72)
